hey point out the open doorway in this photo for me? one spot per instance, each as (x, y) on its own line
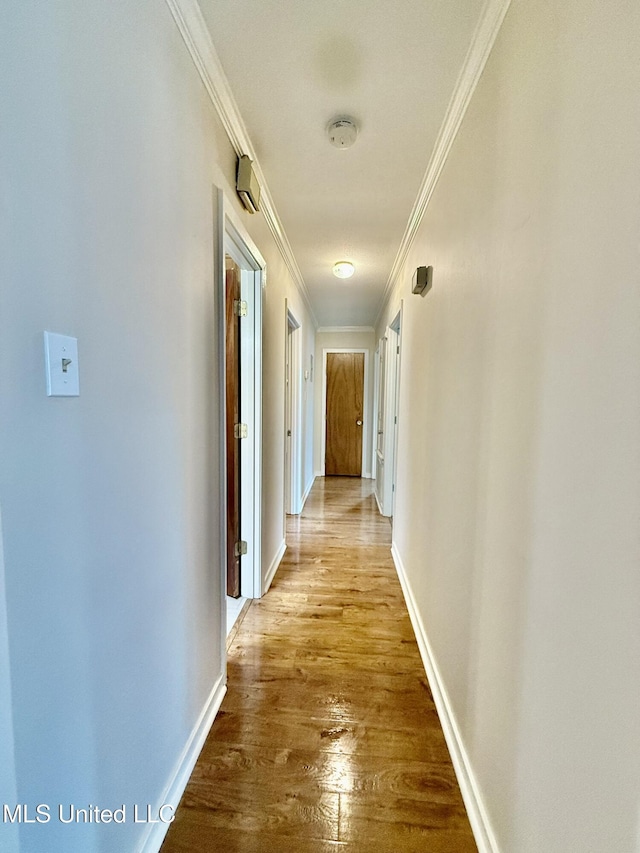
(233, 425)
(387, 395)
(241, 273)
(293, 417)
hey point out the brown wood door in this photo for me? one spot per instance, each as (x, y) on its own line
(232, 293)
(345, 395)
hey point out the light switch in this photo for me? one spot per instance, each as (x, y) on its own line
(61, 364)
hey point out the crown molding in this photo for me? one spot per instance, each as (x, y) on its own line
(481, 45)
(195, 33)
(334, 329)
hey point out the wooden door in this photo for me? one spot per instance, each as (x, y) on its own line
(345, 398)
(232, 295)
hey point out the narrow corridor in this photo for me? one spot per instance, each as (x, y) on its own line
(328, 739)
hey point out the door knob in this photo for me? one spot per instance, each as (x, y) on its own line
(359, 423)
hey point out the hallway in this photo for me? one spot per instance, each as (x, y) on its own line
(327, 739)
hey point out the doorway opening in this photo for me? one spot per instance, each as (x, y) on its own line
(241, 274)
(345, 417)
(293, 417)
(387, 396)
(233, 385)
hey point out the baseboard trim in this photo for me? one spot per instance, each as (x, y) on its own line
(273, 568)
(151, 841)
(478, 817)
(380, 511)
(306, 494)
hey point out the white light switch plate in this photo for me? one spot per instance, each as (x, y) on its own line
(61, 363)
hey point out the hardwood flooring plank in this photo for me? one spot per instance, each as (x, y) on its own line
(303, 814)
(380, 823)
(300, 731)
(194, 836)
(311, 772)
(328, 740)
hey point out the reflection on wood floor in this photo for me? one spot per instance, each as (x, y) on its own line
(328, 739)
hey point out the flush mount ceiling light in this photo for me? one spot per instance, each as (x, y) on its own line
(342, 132)
(343, 269)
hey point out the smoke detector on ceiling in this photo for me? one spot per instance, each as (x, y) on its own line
(342, 132)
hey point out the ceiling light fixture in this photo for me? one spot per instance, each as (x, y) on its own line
(342, 132)
(343, 269)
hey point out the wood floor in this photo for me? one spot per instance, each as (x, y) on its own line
(328, 740)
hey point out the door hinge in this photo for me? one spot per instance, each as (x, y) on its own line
(240, 548)
(240, 431)
(239, 307)
(397, 350)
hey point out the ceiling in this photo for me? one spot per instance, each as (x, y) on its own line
(293, 66)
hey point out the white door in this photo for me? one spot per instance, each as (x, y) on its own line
(387, 416)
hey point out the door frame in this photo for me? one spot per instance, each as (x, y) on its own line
(365, 414)
(293, 414)
(234, 240)
(375, 411)
(390, 360)
(233, 293)
(379, 419)
(396, 327)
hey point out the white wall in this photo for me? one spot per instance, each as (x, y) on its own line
(349, 339)
(518, 485)
(279, 292)
(108, 176)
(8, 791)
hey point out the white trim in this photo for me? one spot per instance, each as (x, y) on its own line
(241, 237)
(478, 816)
(481, 45)
(233, 610)
(390, 419)
(234, 240)
(155, 832)
(221, 403)
(365, 414)
(378, 420)
(307, 492)
(273, 568)
(334, 329)
(293, 414)
(397, 320)
(374, 413)
(197, 38)
(251, 447)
